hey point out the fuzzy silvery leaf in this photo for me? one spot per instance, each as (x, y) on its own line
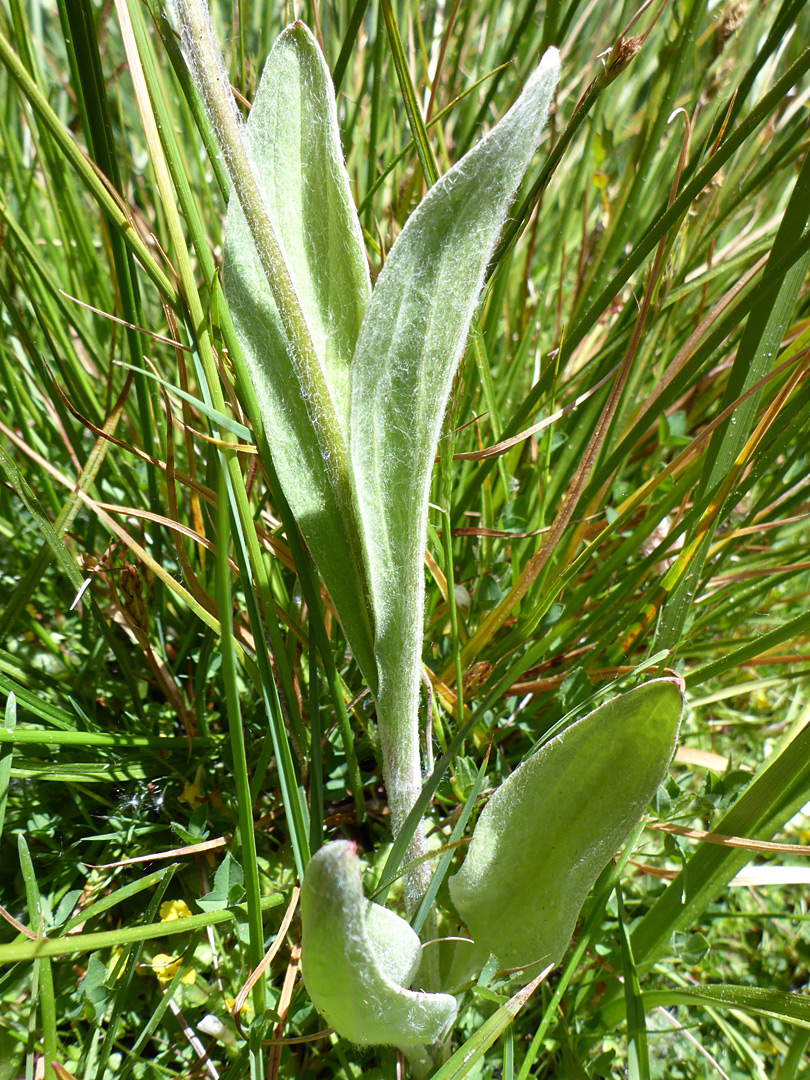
(409, 346)
(293, 144)
(352, 959)
(396, 947)
(553, 825)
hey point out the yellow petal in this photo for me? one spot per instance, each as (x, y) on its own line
(165, 966)
(174, 909)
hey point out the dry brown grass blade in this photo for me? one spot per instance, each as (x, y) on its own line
(283, 1007)
(503, 447)
(680, 462)
(276, 547)
(174, 853)
(709, 517)
(687, 350)
(174, 526)
(121, 534)
(268, 958)
(434, 88)
(195, 485)
(188, 573)
(18, 926)
(761, 846)
(191, 458)
(61, 1071)
(122, 322)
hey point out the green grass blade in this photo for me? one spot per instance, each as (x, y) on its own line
(76, 944)
(6, 753)
(761, 339)
(352, 30)
(424, 150)
(471, 1051)
(82, 167)
(43, 972)
(771, 799)
(788, 1008)
(244, 803)
(638, 1056)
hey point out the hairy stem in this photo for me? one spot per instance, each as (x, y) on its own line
(399, 740)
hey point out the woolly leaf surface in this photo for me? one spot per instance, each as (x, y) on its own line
(294, 147)
(395, 945)
(553, 825)
(349, 981)
(407, 353)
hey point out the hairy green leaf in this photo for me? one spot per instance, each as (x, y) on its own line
(294, 148)
(353, 956)
(551, 827)
(409, 347)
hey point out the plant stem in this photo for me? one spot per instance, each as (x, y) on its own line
(398, 726)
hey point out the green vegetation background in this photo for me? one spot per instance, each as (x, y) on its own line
(646, 315)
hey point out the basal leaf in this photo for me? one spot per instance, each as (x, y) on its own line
(394, 943)
(349, 974)
(410, 344)
(294, 148)
(551, 827)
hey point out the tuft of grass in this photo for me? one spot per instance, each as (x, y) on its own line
(622, 487)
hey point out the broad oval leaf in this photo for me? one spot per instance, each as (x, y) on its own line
(409, 346)
(552, 826)
(293, 143)
(350, 975)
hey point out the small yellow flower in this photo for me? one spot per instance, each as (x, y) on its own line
(192, 792)
(166, 967)
(174, 909)
(246, 1010)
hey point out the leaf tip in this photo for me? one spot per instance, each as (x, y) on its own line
(548, 69)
